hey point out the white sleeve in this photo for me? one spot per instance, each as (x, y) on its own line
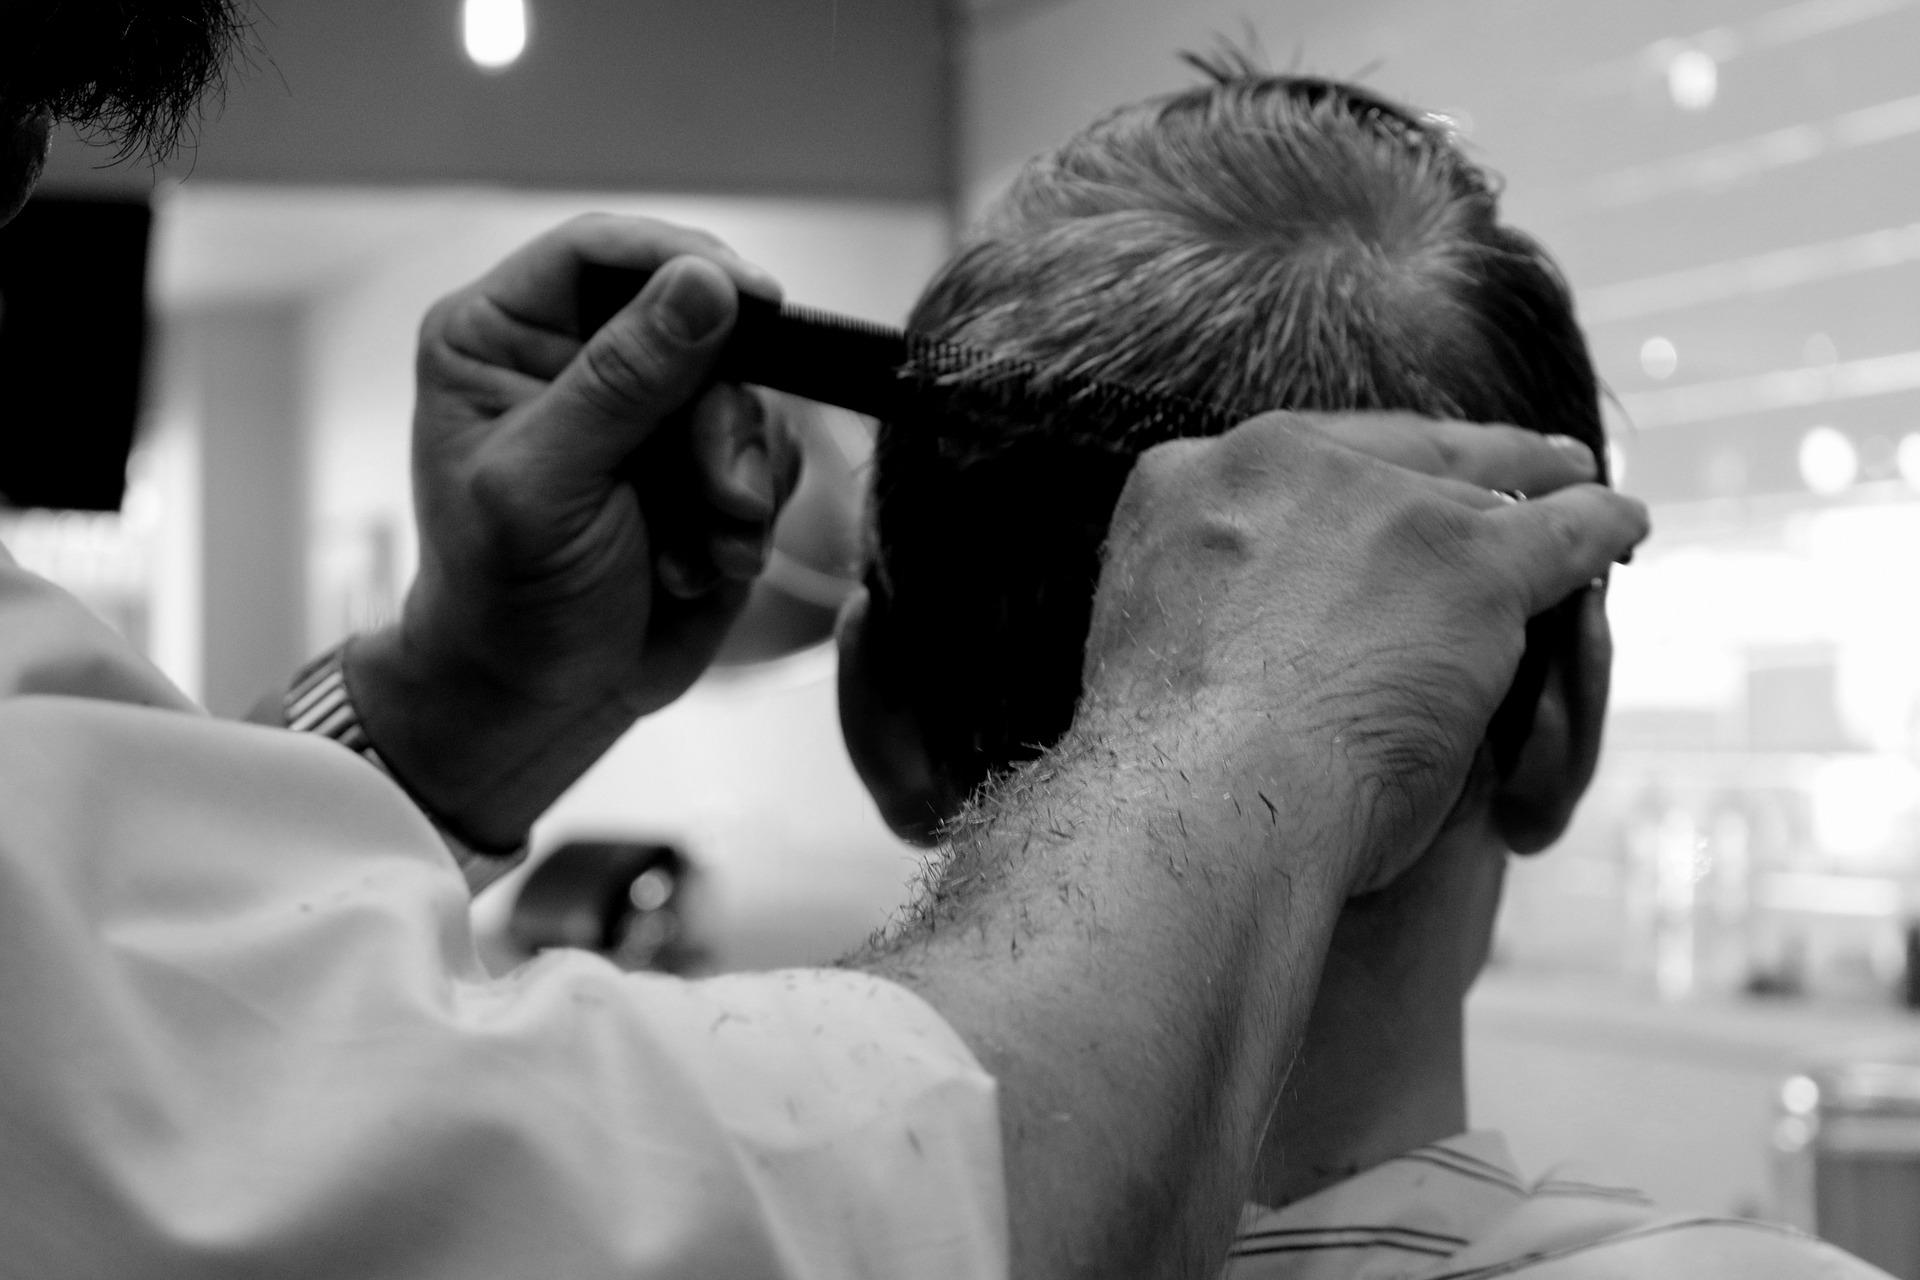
(243, 1033)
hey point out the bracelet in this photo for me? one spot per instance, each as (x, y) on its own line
(319, 702)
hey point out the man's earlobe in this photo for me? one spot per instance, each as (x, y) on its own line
(1534, 803)
(881, 729)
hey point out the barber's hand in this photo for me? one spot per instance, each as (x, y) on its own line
(591, 512)
(1332, 631)
(1491, 455)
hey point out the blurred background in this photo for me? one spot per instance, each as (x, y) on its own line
(1733, 187)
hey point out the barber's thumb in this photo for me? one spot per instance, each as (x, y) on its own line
(688, 301)
(656, 354)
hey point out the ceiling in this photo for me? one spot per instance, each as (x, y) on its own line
(834, 98)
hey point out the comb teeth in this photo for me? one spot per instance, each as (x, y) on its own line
(1116, 415)
(815, 318)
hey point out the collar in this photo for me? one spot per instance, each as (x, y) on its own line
(1398, 1219)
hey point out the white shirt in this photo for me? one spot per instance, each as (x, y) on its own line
(1457, 1210)
(243, 1032)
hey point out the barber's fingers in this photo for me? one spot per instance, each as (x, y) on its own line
(1477, 496)
(746, 454)
(714, 511)
(652, 358)
(538, 284)
(1490, 455)
(1555, 545)
(522, 317)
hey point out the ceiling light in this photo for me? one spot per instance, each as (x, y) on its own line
(495, 31)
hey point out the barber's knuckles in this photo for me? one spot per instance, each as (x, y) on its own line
(630, 241)
(1269, 504)
(482, 328)
(1271, 564)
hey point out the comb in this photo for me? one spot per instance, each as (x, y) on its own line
(896, 375)
(891, 374)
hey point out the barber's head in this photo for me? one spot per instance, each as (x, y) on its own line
(1259, 242)
(132, 70)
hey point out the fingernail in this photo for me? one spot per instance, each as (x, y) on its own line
(758, 276)
(689, 299)
(1577, 451)
(752, 474)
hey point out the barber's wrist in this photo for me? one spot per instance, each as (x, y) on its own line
(1267, 785)
(488, 757)
(321, 700)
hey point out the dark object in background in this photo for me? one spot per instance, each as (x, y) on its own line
(625, 899)
(1847, 1151)
(73, 330)
(1910, 985)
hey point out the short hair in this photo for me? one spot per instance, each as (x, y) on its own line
(1259, 242)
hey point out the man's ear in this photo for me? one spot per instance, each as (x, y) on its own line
(882, 730)
(1533, 804)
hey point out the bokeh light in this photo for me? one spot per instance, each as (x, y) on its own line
(1828, 461)
(1693, 79)
(1659, 358)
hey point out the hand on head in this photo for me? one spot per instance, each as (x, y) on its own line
(1532, 801)
(1334, 620)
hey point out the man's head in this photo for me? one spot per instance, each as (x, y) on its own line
(1260, 242)
(133, 70)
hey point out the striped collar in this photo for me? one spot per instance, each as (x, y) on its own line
(1458, 1210)
(1397, 1219)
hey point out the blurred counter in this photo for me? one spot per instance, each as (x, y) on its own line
(1679, 1099)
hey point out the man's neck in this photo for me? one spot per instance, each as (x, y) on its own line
(1382, 1067)
(1340, 1118)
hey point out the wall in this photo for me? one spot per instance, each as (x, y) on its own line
(760, 97)
(224, 444)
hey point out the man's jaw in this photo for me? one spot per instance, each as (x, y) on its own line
(23, 154)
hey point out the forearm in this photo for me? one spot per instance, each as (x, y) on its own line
(1132, 948)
